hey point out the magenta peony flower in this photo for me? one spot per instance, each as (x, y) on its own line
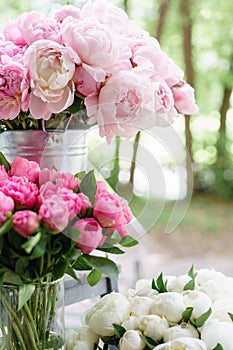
(23, 167)
(66, 179)
(6, 206)
(21, 190)
(112, 211)
(25, 222)
(55, 213)
(51, 70)
(91, 235)
(3, 173)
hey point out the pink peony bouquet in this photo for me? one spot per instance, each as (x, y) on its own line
(50, 223)
(93, 59)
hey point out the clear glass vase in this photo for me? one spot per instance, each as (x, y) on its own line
(38, 324)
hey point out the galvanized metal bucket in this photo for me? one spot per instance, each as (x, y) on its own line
(65, 151)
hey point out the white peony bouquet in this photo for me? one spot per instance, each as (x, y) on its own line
(189, 312)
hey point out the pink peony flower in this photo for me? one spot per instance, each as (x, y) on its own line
(184, 98)
(35, 26)
(112, 211)
(21, 190)
(101, 189)
(6, 206)
(66, 11)
(25, 222)
(51, 70)
(3, 173)
(14, 85)
(125, 105)
(164, 102)
(84, 82)
(91, 235)
(85, 203)
(12, 33)
(23, 167)
(55, 213)
(65, 179)
(95, 44)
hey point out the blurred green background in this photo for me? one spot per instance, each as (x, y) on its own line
(198, 35)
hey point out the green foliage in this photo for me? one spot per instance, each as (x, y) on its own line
(160, 285)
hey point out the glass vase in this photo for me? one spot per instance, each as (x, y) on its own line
(38, 324)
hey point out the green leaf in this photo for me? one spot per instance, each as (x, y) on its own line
(21, 265)
(25, 293)
(88, 186)
(31, 243)
(6, 226)
(218, 347)
(81, 264)
(231, 316)
(151, 343)
(119, 330)
(160, 285)
(106, 266)
(12, 278)
(39, 249)
(113, 238)
(60, 268)
(71, 272)
(110, 249)
(93, 277)
(201, 319)
(4, 161)
(109, 340)
(80, 175)
(128, 241)
(187, 314)
(190, 285)
(192, 273)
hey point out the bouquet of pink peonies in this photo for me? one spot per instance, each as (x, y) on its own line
(93, 59)
(50, 223)
(54, 220)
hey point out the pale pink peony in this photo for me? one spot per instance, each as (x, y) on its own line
(8, 48)
(164, 102)
(14, 85)
(36, 26)
(125, 105)
(91, 235)
(85, 84)
(25, 222)
(12, 33)
(112, 211)
(105, 12)
(21, 190)
(51, 70)
(23, 167)
(65, 179)
(3, 173)
(55, 213)
(95, 44)
(6, 206)
(66, 11)
(184, 98)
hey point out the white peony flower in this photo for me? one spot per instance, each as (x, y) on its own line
(83, 339)
(182, 330)
(216, 332)
(112, 308)
(221, 308)
(198, 300)
(183, 343)
(132, 322)
(131, 340)
(140, 306)
(176, 284)
(143, 287)
(154, 326)
(170, 305)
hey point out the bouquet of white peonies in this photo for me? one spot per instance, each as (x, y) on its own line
(189, 312)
